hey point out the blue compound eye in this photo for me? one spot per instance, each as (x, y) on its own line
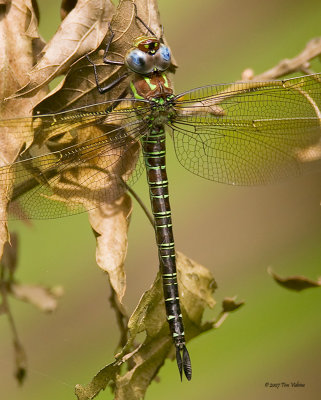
(163, 58)
(165, 53)
(139, 61)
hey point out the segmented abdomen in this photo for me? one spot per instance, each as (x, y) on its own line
(154, 150)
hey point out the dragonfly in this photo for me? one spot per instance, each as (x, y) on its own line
(243, 133)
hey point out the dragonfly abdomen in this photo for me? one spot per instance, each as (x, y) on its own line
(154, 150)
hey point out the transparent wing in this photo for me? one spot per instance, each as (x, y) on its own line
(251, 132)
(78, 160)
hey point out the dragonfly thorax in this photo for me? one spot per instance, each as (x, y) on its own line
(154, 86)
(148, 55)
(162, 112)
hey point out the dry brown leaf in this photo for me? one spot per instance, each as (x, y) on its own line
(296, 283)
(18, 29)
(66, 6)
(45, 299)
(229, 304)
(10, 254)
(82, 30)
(144, 359)
(98, 383)
(110, 224)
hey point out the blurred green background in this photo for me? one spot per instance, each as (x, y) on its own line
(237, 232)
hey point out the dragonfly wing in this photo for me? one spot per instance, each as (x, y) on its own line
(249, 133)
(74, 165)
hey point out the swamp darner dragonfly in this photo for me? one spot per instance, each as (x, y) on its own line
(241, 134)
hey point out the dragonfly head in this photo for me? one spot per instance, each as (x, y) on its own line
(148, 55)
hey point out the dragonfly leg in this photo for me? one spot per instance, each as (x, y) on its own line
(105, 89)
(105, 59)
(161, 39)
(142, 22)
(107, 62)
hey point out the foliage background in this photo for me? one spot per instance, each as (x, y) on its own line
(235, 231)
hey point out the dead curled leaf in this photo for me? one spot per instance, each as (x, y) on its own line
(82, 30)
(229, 304)
(66, 6)
(110, 224)
(143, 360)
(10, 255)
(296, 283)
(45, 299)
(18, 27)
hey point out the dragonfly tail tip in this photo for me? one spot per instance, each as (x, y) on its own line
(184, 363)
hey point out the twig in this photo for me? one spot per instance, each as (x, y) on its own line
(20, 356)
(121, 317)
(140, 202)
(300, 63)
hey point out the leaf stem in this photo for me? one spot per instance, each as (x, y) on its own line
(140, 202)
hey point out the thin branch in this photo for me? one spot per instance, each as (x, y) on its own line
(300, 63)
(20, 356)
(121, 317)
(140, 202)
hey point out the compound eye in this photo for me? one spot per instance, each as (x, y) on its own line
(163, 58)
(139, 61)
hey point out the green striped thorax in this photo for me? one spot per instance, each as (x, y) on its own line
(162, 110)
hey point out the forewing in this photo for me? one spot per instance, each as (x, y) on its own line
(79, 160)
(249, 133)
